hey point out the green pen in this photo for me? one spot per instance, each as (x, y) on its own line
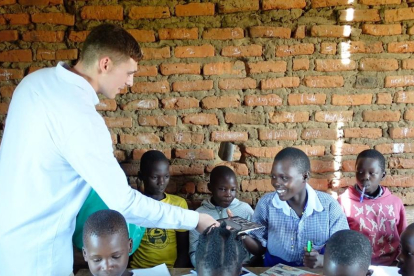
(309, 246)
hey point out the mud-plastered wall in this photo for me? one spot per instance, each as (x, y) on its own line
(331, 77)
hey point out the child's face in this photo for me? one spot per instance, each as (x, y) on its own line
(157, 179)
(368, 174)
(107, 255)
(287, 180)
(406, 257)
(224, 190)
(332, 269)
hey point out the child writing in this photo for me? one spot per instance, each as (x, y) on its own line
(372, 210)
(106, 244)
(293, 215)
(160, 245)
(347, 253)
(223, 187)
(406, 257)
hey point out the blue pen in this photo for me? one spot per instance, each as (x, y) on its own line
(362, 195)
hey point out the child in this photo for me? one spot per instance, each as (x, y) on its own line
(219, 253)
(376, 213)
(294, 215)
(160, 245)
(223, 187)
(406, 258)
(347, 253)
(106, 244)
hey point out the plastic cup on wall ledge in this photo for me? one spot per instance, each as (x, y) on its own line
(226, 151)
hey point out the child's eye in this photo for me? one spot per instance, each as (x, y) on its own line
(116, 257)
(274, 177)
(97, 260)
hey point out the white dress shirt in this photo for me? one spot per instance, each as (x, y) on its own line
(54, 148)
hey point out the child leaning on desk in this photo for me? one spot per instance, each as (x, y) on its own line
(293, 215)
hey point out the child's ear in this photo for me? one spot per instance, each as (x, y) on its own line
(130, 243)
(306, 176)
(84, 254)
(384, 173)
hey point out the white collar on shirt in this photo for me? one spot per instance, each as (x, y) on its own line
(313, 203)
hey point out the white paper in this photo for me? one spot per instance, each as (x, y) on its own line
(159, 270)
(245, 272)
(384, 270)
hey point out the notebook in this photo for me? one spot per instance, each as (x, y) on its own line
(285, 270)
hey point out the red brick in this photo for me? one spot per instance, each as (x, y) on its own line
(328, 48)
(120, 155)
(371, 133)
(300, 64)
(384, 98)
(408, 64)
(141, 138)
(330, 3)
(184, 137)
(238, 168)
(371, 15)
(268, 31)
(395, 148)
(220, 102)
(45, 54)
(3, 108)
(156, 53)
(398, 181)
(16, 19)
(263, 167)
(54, 18)
(333, 116)
(180, 33)
(267, 152)
(223, 68)
(343, 182)
(404, 97)
(263, 100)
(382, 30)
(312, 150)
(401, 47)
(252, 50)
(399, 14)
(195, 154)
(10, 74)
(249, 119)
(7, 91)
(149, 12)
(200, 119)
(33, 69)
(269, 84)
(180, 103)
(228, 84)
(112, 122)
(378, 64)
(400, 163)
(319, 184)
(381, 116)
(203, 51)
(401, 132)
(410, 31)
(323, 166)
(306, 99)
(114, 138)
(44, 36)
(151, 87)
(300, 32)
(330, 31)
(334, 65)
(103, 12)
(130, 169)
(9, 35)
(146, 71)
(143, 35)
(222, 136)
(380, 2)
(16, 56)
(197, 85)
(40, 2)
(195, 169)
(137, 153)
(399, 81)
(106, 105)
(267, 66)
(7, 2)
(324, 81)
(180, 68)
(277, 134)
(67, 54)
(408, 115)
(348, 165)
(347, 149)
(288, 117)
(232, 6)
(355, 47)
(78, 36)
(223, 33)
(261, 185)
(295, 50)
(157, 120)
(324, 134)
(359, 99)
(283, 4)
(195, 9)
(141, 104)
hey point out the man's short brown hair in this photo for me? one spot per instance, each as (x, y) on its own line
(110, 40)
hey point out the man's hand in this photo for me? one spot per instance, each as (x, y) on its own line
(313, 259)
(205, 221)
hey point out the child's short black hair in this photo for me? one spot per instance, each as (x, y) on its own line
(104, 223)
(347, 248)
(220, 172)
(374, 154)
(299, 159)
(149, 158)
(219, 252)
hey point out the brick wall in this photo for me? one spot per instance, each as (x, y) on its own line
(331, 77)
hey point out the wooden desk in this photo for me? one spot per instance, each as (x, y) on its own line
(183, 271)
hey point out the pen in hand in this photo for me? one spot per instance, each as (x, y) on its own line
(309, 246)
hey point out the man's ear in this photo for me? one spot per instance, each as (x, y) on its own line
(85, 256)
(306, 176)
(130, 243)
(105, 64)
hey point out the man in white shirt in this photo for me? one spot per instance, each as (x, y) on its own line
(56, 147)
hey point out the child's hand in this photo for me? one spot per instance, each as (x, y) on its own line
(312, 259)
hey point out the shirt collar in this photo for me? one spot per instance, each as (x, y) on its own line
(313, 203)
